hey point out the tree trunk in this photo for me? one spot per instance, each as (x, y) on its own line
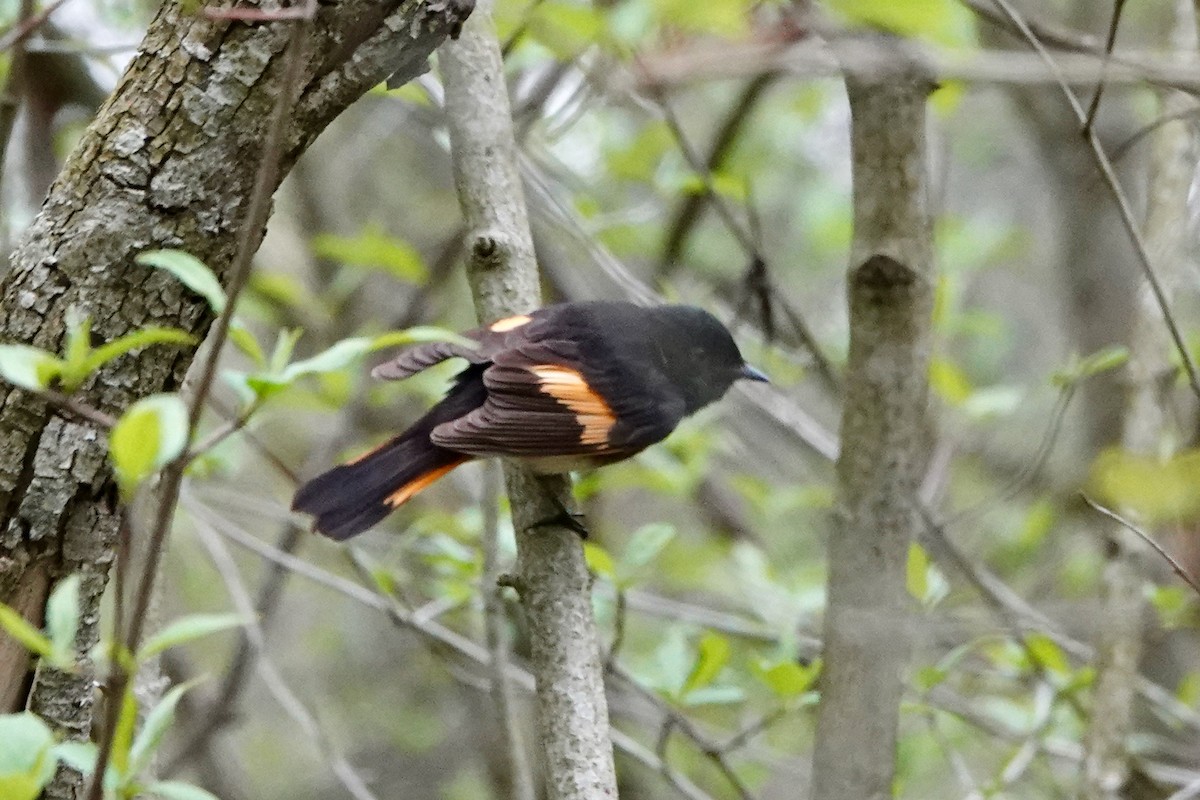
(168, 162)
(552, 576)
(883, 439)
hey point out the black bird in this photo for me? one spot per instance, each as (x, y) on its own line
(566, 387)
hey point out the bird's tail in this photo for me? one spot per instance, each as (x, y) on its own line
(352, 497)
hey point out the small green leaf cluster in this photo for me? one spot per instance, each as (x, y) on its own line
(29, 750)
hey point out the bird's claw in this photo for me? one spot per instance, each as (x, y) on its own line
(564, 519)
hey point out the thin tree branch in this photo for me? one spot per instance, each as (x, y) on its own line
(257, 211)
(674, 720)
(1118, 194)
(14, 82)
(522, 786)
(269, 673)
(219, 712)
(552, 573)
(1109, 43)
(689, 212)
(1176, 567)
(78, 408)
(27, 25)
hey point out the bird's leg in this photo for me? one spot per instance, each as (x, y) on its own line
(563, 517)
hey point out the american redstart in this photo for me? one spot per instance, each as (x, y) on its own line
(567, 387)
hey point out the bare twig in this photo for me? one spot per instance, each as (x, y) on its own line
(220, 710)
(743, 737)
(257, 211)
(689, 212)
(1114, 23)
(269, 673)
(1176, 567)
(77, 407)
(749, 240)
(1108, 762)
(522, 785)
(28, 24)
(1120, 151)
(674, 720)
(222, 433)
(14, 81)
(1114, 185)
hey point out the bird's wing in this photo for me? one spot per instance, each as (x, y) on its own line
(487, 340)
(541, 401)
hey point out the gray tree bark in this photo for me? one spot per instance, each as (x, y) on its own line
(552, 577)
(168, 162)
(1145, 427)
(883, 438)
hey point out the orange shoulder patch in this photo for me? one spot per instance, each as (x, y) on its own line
(508, 323)
(569, 388)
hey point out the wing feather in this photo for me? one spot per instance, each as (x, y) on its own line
(535, 407)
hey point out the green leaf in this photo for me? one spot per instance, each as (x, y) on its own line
(191, 271)
(645, 545)
(711, 657)
(157, 722)
(928, 677)
(79, 345)
(123, 737)
(285, 343)
(1173, 604)
(599, 561)
(149, 434)
(62, 619)
(26, 763)
(949, 381)
(916, 576)
(79, 756)
(245, 341)
(334, 358)
(1154, 489)
(420, 334)
(189, 628)
(728, 18)
(643, 156)
(788, 679)
(1047, 654)
(375, 249)
(923, 579)
(672, 662)
(18, 628)
(566, 29)
(132, 341)
(941, 21)
(178, 790)
(1103, 361)
(28, 367)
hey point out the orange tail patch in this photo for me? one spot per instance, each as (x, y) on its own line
(406, 492)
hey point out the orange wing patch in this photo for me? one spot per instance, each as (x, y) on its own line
(508, 323)
(406, 492)
(569, 388)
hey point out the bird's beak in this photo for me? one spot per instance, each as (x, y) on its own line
(752, 374)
